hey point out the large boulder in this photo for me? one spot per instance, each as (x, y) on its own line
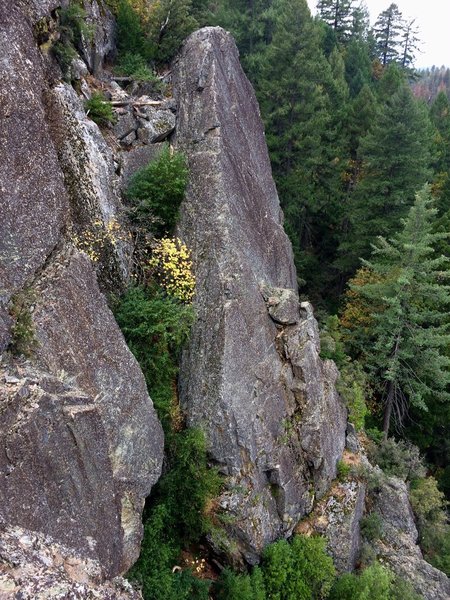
(34, 567)
(251, 376)
(33, 199)
(101, 45)
(81, 445)
(398, 547)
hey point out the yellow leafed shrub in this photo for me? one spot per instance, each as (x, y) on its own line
(171, 264)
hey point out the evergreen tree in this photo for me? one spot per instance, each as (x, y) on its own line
(410, 332)
(297, 94)
(440, 117)
(358, 65)
(169, 23)
(388, 31)
(395, 158)
(338, 14)
(410, 42)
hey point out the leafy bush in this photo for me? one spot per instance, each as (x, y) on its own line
(23, 334)
(157, 191)
(374, 583)
(371, 526)
(429, 505)
(171, 265)
(155, 327)
(169, 23)
(99, 110)
(130, 33)
(300, 569)
(401, 459)
(175, 518)
(352, 383)
(343, 470)
(135, 66)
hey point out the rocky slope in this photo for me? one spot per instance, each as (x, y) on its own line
(81, 445)
(251, 377)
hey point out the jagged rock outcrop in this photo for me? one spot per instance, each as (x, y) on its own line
(337, 517)
(255, 384)
(398, 546)
(81, 443)
(33, 566)
(102, 45)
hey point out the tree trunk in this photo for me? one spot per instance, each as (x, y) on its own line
(388, 409)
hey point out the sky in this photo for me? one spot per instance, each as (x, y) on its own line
(432, 18)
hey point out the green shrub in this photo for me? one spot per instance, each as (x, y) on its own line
(155, 327)
(175, 518)
(300, 569)
(157, 190)
(429, 506)
(164, 41)
(374, 583)
(343, 470)
(400, 459)
(135, 66)
(130, 34)
(99, 110)
(23, 334)
(352, 383)
(371, 526)
(353, 386)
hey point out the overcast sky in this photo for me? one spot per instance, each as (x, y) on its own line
(433, 20)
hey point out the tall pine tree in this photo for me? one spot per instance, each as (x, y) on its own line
(388, 31)
(395, 157)
(338, 14)
(410, 331)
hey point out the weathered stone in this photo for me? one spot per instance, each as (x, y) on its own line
(282, 305)
(33, 566)
(102, 45)
(129, 139)
(34, 202)
(160, 124)
(337, 517)
(136, 158)
(77, 334)
(125, 125)
(55, 469)
(267, 403)
(88, 165)
(351, 441)
(78, 69)
(398, 547)
(77, 457)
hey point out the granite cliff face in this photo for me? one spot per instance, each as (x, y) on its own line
(251, 376)
(81, 446)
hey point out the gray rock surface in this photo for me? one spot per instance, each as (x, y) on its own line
(77, 334)
(398, 546)
(55, 470)
(81, 446)
(157, 125)
(126, 123)
(274, 422)
(36, 567)
(102, 45)
(30, 176)
(90, 180)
